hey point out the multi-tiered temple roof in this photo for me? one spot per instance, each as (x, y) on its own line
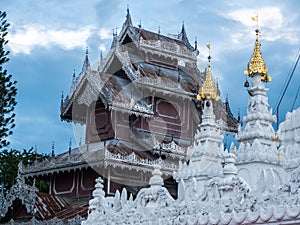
(141, 64)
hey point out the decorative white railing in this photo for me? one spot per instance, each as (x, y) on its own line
(168, 47)
(133, 159)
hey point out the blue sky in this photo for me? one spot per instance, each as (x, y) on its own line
(48, 39)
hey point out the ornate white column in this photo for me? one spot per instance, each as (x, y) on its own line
(205, 159)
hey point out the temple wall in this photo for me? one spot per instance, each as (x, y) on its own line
(99, 124)
(171, 117)
(80, 183)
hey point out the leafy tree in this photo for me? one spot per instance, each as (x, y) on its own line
(9, 161)
(8, 88)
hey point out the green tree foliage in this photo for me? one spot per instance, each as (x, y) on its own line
(8, 88)
(9, 161)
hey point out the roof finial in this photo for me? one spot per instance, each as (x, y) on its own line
(158, 30)
(196, 43)
(74, 73)
(86, 64)
(140, 24)
(209, 89)
(70, 146)
(62, 99)
(128, 21)
(52, 149)
(209, 57)
(257, 63)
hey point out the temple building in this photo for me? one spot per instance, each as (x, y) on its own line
(154, 129)
(256, 182)
(140, 107)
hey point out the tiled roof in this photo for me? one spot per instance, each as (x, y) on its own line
(70, 212)
(50, 206)
(149, 35)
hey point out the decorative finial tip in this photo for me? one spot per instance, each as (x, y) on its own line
(257, 63)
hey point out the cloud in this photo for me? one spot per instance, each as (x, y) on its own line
(271, 20)
(267, 16)
(105, 34)
(26, 38)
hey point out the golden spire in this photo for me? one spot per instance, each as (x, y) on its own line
(257, 63)
(209, 89)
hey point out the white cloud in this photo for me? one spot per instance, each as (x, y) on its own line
(267, 17)
(27, 37)
(105, 33)
(273, 24)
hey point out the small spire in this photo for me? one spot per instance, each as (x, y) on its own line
(70, 146)
(196, 43)
(182, 36)
(182, 27)
(128, 21)
(52, 149)
(257, 63)
(62, 99)
(209, 89)
(86, 64)
(158, 30)
(74, 75)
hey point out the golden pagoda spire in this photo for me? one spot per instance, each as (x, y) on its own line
(257, 63)
(209, 89)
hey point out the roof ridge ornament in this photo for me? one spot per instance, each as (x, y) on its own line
(182, 36)
(128, 20)
(257, 63)
(209, 89)
(86, 64)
